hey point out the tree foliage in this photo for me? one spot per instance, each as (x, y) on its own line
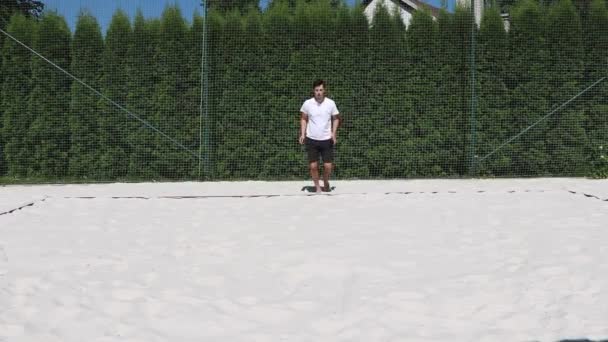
(407, 93)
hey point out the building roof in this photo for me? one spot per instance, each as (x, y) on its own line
(413, 5)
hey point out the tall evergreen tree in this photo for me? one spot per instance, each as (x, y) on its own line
(294, 3)
(49, 134)
(388, 113)
(195, 106)
(27, 8)
(356, 105)
(16, 155)
(170, 114)
(214, 78)
(87, 48)
(142, 77)
(595, 31)
(114, 123)
(528, 88)
(231, 118)
(246, 148)
(492, 124)
(230, 5)
(269, 154)
(454, 92)
(596, 60)
(343, 79)
(566, 139)
(423, 80)
(284, 91)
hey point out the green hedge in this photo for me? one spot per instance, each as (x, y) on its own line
(406, 93)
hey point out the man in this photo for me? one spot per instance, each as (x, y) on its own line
(319, 121)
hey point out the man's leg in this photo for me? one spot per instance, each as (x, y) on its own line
(314, 173)
(312, 151)
(327, 154)
(326, 173)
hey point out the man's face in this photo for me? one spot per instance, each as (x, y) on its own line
(319, 92)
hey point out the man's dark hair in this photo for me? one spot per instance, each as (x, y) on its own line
(317, 83)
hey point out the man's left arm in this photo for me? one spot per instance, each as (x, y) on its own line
(335, 123)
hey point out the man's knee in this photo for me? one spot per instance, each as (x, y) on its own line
(313, 164)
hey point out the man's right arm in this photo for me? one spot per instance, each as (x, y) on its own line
(303, 123)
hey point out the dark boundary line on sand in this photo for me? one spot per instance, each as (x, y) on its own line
(286, 195)
(29, 204)
(215, 196)
(589, 196)
(581, 340)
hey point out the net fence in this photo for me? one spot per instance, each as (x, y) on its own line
(212, 90)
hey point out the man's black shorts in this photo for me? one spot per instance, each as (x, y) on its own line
(323, 148)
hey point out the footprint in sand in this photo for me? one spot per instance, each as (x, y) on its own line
(515, 264)
(66, 300)
(406, 296)
(211, 281)
(153, 307)
(127, 295)
(11, 330)
(247, 300)
(27, 285)
(304, 306)
(117, 308)
(121, 266)
(582, 259)
(3, 262)
(552, 271)
(150, 278)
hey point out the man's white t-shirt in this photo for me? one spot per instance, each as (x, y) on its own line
(319, 118)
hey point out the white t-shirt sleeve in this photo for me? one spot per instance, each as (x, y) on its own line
(334, 110)
(304, 108)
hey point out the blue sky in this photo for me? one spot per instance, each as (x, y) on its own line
(104, 9)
